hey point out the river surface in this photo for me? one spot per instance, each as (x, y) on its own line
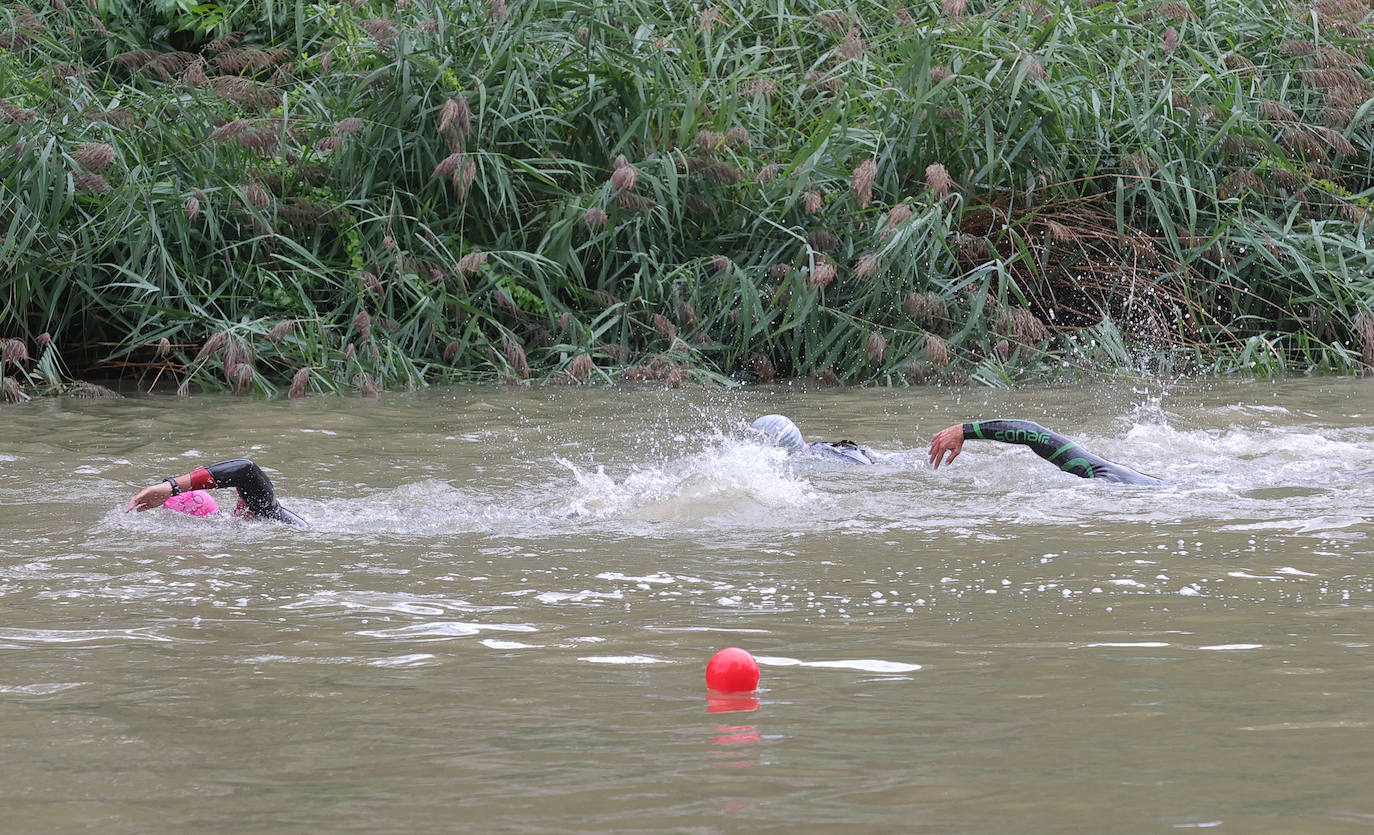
(501, 615)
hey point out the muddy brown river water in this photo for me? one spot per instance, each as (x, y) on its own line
(500, 616)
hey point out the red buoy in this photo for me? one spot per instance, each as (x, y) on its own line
(732, 670)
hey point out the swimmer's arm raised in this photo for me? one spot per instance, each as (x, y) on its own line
(949, 442)
(253, 485)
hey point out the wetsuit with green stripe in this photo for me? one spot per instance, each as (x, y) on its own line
(1064, 453)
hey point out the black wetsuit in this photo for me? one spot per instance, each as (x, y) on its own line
(1064, 453)
(256, 497)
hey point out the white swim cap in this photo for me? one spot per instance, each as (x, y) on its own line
(779, 430)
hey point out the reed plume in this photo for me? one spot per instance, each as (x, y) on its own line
(861, 182)
(581, 367)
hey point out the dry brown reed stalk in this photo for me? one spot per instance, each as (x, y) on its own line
(240, 376)
(229, 130)
(1059, 233)
(1288, 180)
(1238, 182)
(1020, 325)
(367, 386)
(581, 367)
(1176, 11)
(636, 203)
(262, 138)
(281, 330)
(14, 351)
(1364, 334)
(300, 211)
(90, 182)
(756, 88)
(664, 328)
(362, 323)
(462, 178)
(686, 315)
(472, 262)
(448, 165)
(826, 377)
(936, 350)
(505, 302)
(763, 368)
(1171, 40)
(822, 273)
(1303, 144)
(1240, 64)
(10, 113)
(195, 74)
(708, 140)
(832, 83)
(1335, 140)
(716, 171)
(861, 182)
(926, 309)
(213, 344)
(938, 181)
(95, 156)
(299, 381)
(852, 46)
(896, 216)
(615, 353)
(1034, 70)
(1355, 214)
(811, 201)
(515, 358)
(348, 127)
(1276, 111)
(257, 196)
(823, 241)
(595, 219)
(876, 348)
(456, 114)
(866, 265)
(625, 176)
(836, 21)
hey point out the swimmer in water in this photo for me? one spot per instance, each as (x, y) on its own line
(256, 497)
(1063, 452)
(780, 430)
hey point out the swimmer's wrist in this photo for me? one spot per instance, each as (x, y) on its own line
(176, 488)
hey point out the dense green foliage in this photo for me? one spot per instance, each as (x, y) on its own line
(372, 196)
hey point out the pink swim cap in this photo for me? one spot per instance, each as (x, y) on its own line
(194, 502)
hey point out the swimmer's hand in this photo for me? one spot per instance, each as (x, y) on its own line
(150, 497)
(947, 442)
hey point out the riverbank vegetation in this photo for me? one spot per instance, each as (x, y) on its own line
(292, 197)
